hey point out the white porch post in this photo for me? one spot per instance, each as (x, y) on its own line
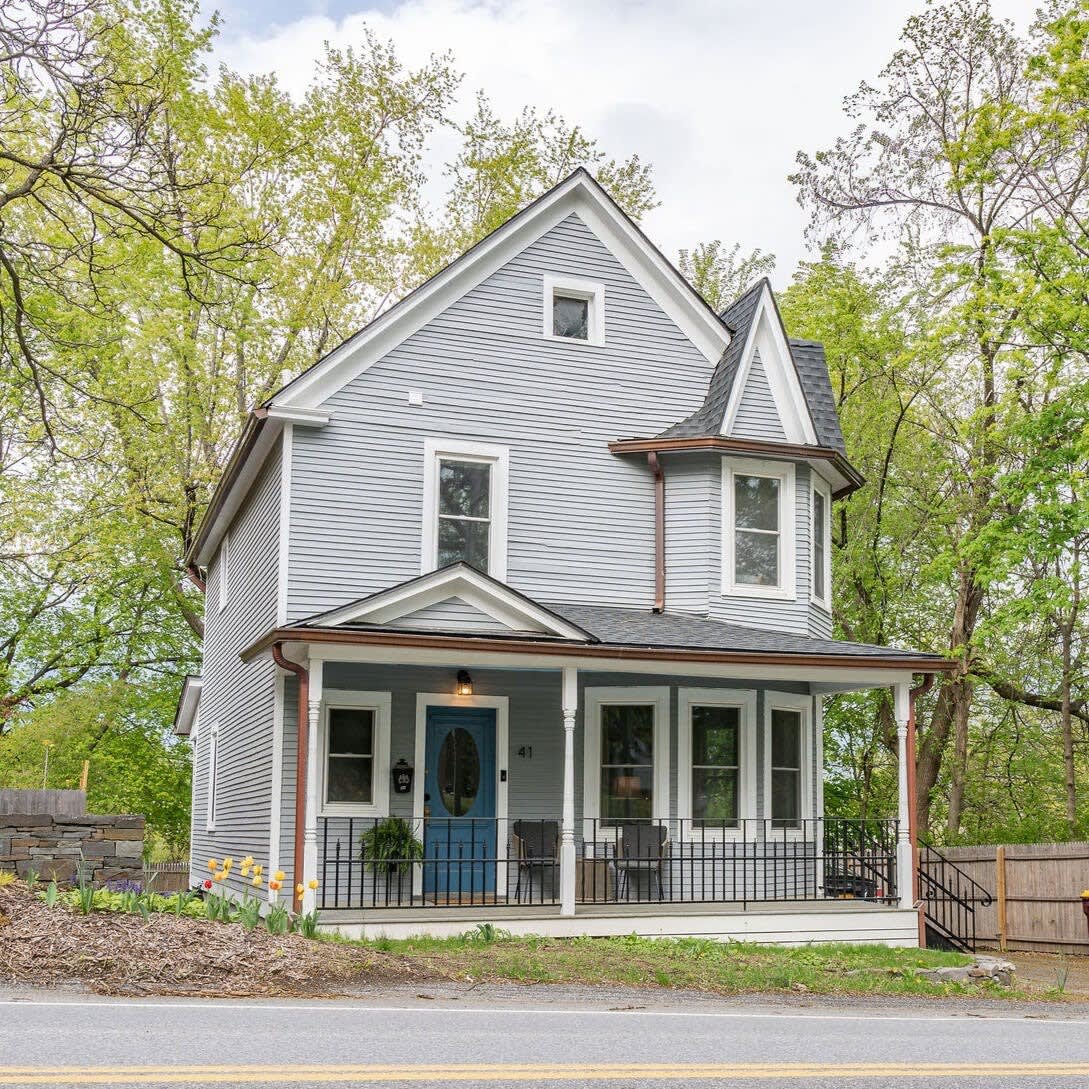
(904, 876)
(310, 829)
(567, 839)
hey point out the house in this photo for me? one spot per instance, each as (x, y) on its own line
(538, 564)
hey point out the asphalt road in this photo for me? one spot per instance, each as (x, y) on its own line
(512, 1039)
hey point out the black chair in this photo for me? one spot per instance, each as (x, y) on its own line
(642, 848)
(537, 850)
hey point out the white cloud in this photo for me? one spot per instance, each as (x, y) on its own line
(718, 96)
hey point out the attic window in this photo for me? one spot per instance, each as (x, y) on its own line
(574, 310)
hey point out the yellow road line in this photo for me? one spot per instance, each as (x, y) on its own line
(517, 1072)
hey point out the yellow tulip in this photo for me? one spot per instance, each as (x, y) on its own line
(299, 889)
(256, 882)
(258, 870)
(219, 876)
(279, 875)
(312, 883)
(213, 865)
(248, 860)
(228, 863)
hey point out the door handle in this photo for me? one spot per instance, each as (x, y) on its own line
(427, 797)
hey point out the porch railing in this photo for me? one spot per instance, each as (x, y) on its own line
(371, 863)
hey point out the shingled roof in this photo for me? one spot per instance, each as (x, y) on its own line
(809, 362)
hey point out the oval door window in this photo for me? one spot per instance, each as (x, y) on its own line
(459, 772)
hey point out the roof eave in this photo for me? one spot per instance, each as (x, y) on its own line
(854, 479)
(911, 663)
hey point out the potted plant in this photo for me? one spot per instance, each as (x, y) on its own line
(390, 847)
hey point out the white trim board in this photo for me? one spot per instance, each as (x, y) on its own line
(590, 292)
(578, 194)
(283, 568)
(766, 336)
(459, 581)
(593, 699)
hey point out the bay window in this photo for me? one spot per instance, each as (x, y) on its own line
(758, 528)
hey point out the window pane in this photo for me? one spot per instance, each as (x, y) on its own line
(714, 795)
(349, 779)
(786, 739)
(785, 797)
(459, 772)
(756, 558)
(570, 317)
(714, 735)
(820, 530)
(756, 502)
(627, 734)
(627, 792)
(351, 729)
(464, 488)
(462, 540)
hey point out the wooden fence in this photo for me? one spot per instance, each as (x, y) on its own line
(166, 877)
(1037, 894)
(56, 803)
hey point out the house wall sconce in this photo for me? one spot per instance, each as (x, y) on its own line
(464, 686)
(402, 777)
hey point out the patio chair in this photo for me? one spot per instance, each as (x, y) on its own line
(536, 847)
(642, 848)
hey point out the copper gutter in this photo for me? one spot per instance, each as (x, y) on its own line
(659, 529)
(920, 689)
(567, 649)
(746, 446)
(194, 577)
(302, 720)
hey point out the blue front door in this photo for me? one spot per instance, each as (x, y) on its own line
(459, 803)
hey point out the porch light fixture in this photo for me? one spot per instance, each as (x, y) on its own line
(464, 686)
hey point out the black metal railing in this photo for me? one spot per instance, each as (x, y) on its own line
(743, 861)
(949, 898)
(458, 862)
(401, 862)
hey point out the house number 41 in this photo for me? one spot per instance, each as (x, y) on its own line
(526, 752)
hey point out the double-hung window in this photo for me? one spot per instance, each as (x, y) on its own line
(356, 752)
(758, 528)
(788, 723)
(626, 754)
(716, 783)
(465, 506)
(822, 540)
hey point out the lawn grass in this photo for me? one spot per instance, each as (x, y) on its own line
(489, 954)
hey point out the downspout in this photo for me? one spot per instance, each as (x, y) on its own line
(659, 530)
(194, 577)
(302, 731)
(920, 689)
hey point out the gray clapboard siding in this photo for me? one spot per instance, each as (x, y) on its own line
(757, 417)
(581, 519)
(451, 615)
(239, 698)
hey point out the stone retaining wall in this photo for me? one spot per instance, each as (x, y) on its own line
(109, 848)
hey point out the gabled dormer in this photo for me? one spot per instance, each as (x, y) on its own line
(749, 478)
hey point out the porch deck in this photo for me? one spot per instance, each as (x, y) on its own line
(770, 922)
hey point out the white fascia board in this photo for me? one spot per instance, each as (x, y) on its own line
(314, 417)
(579, 194)
(782, 375)
(502, 605)
(240, 488)
(188, 705)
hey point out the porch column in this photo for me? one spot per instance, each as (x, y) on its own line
(310, 834)
(567, 837)
(904, 875)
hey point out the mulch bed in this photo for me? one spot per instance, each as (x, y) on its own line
(119, 954)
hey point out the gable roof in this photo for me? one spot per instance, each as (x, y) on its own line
(578, 193)
(457, 582)
(809, 364)
(301, 399)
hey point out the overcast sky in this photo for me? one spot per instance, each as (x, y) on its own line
(719, 97)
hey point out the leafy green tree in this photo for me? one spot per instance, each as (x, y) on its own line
(720, 275)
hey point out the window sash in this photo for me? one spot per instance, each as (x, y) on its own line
(783, 773)
(639, 804)
(757, 532)
(820, 533)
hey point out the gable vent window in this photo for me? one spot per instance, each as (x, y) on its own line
(465, 506)
(574, 310)
(758, 528)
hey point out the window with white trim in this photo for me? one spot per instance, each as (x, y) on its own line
(465, 506)
(626, 752)
(355, 750)
(224, 566)
(822, 543)
(758, 528)
(574, 310)
(716, 749)
(213, 777)
(787, 723)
